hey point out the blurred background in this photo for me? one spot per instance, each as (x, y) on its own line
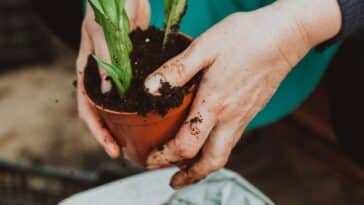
(314, 156)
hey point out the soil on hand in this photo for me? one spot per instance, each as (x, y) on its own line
(147, 56)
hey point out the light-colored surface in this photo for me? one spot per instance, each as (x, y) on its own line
(38, 117)
(151, 188)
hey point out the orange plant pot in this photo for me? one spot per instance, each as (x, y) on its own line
(138, 135)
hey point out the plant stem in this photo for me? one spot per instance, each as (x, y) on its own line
(174, 10)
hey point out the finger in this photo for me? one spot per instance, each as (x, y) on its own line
(99, 46)
(219, 145)
(215, 155)
(98, 130)
(143, 14)
(103, 137)
(191, 136)
(84, 52)
(101, 50)
(179, 70)
(94, 123)
(131, 10)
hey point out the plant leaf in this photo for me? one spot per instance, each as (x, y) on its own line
(111, 15)
(114, 74)
(174, 11)
(167, 10)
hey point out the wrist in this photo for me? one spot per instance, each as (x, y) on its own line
(320, 20)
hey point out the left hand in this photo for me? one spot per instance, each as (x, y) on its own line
(93, 41)
(245, 58)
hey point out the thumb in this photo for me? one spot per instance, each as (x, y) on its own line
(97, 41)
(101, 50)
(139, 13)
(143, 14)
(182, 68)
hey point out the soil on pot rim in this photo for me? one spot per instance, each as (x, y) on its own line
(147, 56)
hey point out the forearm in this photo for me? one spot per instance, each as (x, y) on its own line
(319, 20)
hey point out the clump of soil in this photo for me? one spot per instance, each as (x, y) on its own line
(194, 124)
(147, 56)
(196, 119)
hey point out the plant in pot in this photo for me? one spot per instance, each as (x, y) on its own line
(139, 121)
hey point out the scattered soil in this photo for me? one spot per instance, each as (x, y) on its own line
(74, 83)
(197, 119)
(194, 124)
(146, 57)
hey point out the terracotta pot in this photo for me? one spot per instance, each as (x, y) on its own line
(138, 135)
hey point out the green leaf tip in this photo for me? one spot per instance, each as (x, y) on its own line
(174, 10)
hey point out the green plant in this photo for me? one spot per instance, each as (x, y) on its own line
(112, 17)
(174, 10)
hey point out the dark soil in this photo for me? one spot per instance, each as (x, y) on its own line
(146, 57)
(197, 119)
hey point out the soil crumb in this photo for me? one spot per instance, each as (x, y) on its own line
(74, 83)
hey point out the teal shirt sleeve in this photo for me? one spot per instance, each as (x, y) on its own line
(83, 6)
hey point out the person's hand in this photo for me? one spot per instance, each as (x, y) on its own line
(93, 41)
(244, 59)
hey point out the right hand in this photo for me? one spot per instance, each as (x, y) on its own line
(93, 41)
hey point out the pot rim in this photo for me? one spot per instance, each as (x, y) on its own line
(127, 113)
(131, 113)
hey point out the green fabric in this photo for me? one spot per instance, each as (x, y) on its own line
(299, 84)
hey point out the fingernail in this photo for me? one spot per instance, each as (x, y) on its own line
(184, 178)
(109, 152)
(106, 85)
(151, 162)
(179, 180)
(113, 152)
(153, 84)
